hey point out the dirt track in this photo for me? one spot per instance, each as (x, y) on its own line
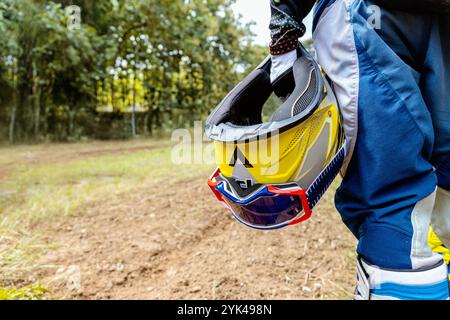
(152, 245)
(174, 240)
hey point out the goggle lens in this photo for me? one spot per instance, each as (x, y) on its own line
(267, 212)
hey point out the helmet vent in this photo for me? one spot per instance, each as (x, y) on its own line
(305, 100)
(294, 140)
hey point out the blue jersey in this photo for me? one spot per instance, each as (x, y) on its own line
(299, 9)
(287, 15)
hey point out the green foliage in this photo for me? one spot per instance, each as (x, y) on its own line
(149, 64)
(32, 292)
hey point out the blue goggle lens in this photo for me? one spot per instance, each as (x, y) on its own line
(267, 212)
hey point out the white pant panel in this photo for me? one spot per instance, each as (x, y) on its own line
(421, 254)
(336, 53)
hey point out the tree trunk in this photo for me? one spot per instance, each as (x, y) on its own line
(36, 102)
(71, 128)
(113, 93)
(150, 122)
(12, 122)
(133, 109)
(37, 115)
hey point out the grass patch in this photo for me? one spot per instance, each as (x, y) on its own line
(42, 190)
(32, 292)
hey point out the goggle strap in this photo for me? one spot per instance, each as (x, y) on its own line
(326, 177)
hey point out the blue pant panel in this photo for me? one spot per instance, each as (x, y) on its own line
(391, 169)
(443, 173)
(436, 91)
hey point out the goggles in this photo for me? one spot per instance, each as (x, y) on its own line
(268, 207)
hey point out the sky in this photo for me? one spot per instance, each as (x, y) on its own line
(259, 12)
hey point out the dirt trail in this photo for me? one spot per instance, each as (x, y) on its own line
(60, 153)
(151, 244)
(33, 155)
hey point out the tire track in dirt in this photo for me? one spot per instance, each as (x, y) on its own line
(154, 219)
(147, 244)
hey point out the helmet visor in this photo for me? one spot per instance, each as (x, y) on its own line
(270, 212)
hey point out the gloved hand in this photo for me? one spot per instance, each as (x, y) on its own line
(286, 28)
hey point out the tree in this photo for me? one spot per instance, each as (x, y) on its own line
(149, 64)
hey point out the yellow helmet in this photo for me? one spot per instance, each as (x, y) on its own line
(299, 144)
